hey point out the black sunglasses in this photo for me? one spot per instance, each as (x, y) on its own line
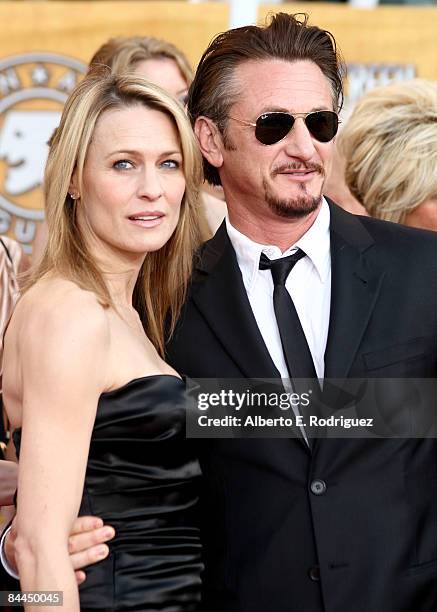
(272, 127)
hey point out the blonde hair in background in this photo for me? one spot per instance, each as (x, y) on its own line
(121, 54)
(389, 144)
(162, 283)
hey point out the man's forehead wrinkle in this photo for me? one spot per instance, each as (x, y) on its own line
(284, 89)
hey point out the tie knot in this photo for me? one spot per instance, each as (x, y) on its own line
(280, 268)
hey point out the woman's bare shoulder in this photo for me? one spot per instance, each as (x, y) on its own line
(58, 305)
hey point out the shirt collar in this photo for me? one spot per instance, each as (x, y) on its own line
(315, 242)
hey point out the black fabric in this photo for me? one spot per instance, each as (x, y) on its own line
(296, 351)
(372, 533)
(142, 478)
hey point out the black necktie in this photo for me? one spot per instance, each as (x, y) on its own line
(297, 354)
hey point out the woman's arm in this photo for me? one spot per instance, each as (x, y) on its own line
(62, 348)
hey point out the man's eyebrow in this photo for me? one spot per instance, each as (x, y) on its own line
(281, 109)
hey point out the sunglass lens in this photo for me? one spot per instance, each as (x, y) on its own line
(323, 125)
(273, 127)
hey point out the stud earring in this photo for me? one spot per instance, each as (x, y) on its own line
(74, 196)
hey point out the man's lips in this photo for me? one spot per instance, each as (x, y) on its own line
(300, 176)
(299, 171)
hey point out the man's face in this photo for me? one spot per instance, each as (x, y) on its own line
(283, 180)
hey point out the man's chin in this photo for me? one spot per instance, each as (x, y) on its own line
(293, 208)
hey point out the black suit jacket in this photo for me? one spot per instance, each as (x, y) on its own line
(368, 543)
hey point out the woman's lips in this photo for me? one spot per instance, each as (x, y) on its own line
(147, 220)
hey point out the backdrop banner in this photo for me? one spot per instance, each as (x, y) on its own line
(379, 45)
(44, 51)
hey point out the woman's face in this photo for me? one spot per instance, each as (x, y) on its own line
(424, 216)
(133, 183)
(165, 73)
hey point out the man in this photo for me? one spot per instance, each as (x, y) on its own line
(332, 525)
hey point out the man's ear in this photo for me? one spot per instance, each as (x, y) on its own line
(210, 140)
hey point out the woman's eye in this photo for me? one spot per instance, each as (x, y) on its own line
(171, 163)
(123, 164)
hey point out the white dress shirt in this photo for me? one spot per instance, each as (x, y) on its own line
(309, 285)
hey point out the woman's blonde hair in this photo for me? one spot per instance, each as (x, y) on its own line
(121, 55)
(162, 282)
(389, 144)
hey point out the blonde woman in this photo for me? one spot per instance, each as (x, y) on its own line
(98, 414)
(389, 145)
(165, 65)
(157, 60)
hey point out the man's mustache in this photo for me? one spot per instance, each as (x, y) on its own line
(310, 166)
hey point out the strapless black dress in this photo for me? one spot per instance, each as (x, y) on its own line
(143, 479)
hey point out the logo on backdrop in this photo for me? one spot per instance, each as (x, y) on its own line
(361, 78)
(33, 90)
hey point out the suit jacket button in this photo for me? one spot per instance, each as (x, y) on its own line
(318, 487)
(314, 573)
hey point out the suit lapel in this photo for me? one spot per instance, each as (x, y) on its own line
(356, 282)
(222, 299)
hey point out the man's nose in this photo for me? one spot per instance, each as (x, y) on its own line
(149, 185)
(299, 142)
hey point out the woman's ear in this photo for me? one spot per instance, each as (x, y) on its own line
(210, 140)
(73, 189)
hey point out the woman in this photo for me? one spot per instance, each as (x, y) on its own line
(389, 145)
(161, 63)
(99, 416)
(157, 60)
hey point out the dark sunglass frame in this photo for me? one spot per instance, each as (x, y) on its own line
(330, 120)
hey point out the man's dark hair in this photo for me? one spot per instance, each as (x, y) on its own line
(214, 91)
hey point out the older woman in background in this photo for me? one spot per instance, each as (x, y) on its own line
(389, 146)
(157, 60)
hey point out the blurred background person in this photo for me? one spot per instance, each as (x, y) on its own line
(157, 60)
(388, 148)
(335, 186)
(13, 261)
